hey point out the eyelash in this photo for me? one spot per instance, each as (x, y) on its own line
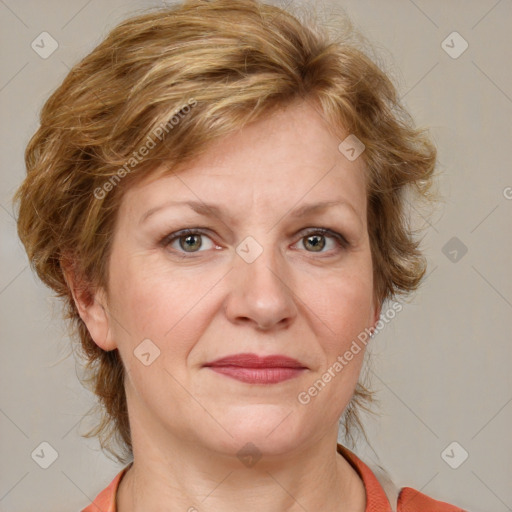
(329, 233)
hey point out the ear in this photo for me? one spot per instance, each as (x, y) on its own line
(377, 308)
(91, 305)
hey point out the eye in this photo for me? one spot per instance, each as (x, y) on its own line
(187, 240)
(316, 239)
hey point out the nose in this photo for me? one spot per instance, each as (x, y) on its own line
(261, 293)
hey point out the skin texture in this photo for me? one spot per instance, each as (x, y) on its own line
(188, 422)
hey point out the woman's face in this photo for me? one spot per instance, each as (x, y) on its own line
(255, 277)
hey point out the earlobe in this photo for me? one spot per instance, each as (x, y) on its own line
(97, 319)
(376, 314)
(376, 317)
(91, 306)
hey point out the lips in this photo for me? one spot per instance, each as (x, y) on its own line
(253, 369)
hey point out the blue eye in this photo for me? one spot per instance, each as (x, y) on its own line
(190, 241)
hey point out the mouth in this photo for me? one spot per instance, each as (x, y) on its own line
(253, 369)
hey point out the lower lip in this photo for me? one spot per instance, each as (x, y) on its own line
(258, 375)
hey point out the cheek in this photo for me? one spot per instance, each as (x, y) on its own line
(343, 311)
(343, 305)
(168, 307)
(166, 310)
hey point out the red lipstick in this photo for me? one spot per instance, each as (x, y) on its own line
(253, 369)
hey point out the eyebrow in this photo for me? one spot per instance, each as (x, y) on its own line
(207, 209)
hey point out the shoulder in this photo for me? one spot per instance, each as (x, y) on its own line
(105, 501)
(410, 500)
(383, 495)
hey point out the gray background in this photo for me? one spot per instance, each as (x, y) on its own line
(442, 366)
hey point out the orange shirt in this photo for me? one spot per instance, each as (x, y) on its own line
(409, 500)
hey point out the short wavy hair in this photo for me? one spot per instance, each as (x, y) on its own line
(184, 76)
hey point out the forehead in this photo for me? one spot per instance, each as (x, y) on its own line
(289, 157)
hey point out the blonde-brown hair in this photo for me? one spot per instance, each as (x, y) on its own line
(184, 76)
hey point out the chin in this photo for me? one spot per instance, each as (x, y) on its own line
(262, 428)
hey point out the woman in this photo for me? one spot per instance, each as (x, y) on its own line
(217, 193)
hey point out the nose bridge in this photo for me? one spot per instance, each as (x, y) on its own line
(261, 267)
(261, 289)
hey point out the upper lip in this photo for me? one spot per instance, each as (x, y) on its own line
(247, 360)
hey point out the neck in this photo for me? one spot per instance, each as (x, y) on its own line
(186, 477)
